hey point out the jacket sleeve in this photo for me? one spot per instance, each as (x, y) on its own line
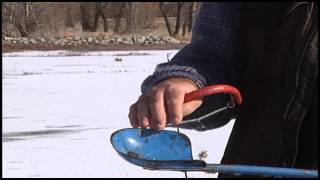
(212, 56)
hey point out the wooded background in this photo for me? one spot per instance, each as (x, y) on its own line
(29, 19)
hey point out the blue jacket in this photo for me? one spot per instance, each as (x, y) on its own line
(213, 55)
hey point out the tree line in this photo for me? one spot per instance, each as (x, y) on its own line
(25, 18)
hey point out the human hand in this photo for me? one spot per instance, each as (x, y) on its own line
(163, 103)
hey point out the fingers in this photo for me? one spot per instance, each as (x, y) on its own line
(134, 121)
(174, 101)
(157, 109)
(143, 112)
(149, 111)
(164, 101)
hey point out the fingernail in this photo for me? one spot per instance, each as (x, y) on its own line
(145, 121)
(175, 120)
(157, 126)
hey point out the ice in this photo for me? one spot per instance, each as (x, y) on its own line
(60, 108)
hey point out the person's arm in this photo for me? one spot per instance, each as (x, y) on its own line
(213, 55)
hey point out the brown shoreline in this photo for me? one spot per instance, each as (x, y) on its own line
(94, 47)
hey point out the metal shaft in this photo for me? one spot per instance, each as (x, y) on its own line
(261, 170)
(199, 118)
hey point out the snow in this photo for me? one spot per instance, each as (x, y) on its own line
(60, 109)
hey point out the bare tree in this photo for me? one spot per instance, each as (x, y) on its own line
(188, 15)
(101, 8)
(68, 20)
(132, 15)
(21, 17)
(165, 12)
(86, 9)
(194, 13)
(165, 16)
(148, 11)
(119, 10)
(178, 20)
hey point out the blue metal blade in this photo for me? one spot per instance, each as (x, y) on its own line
(148, 144)
(170, 165)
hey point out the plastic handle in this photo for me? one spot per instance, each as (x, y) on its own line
(214, 89)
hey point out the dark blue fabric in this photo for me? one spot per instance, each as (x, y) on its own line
(213, 55)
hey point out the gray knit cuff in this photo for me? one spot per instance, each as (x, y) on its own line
(163, 72)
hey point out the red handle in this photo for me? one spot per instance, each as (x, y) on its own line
(214, 89)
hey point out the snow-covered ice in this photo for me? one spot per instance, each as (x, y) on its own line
(60, 108)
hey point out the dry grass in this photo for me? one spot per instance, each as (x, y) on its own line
(113, 47)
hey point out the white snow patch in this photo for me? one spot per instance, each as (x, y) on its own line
(59, 111)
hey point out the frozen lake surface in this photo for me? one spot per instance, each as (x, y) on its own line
(60, 108)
